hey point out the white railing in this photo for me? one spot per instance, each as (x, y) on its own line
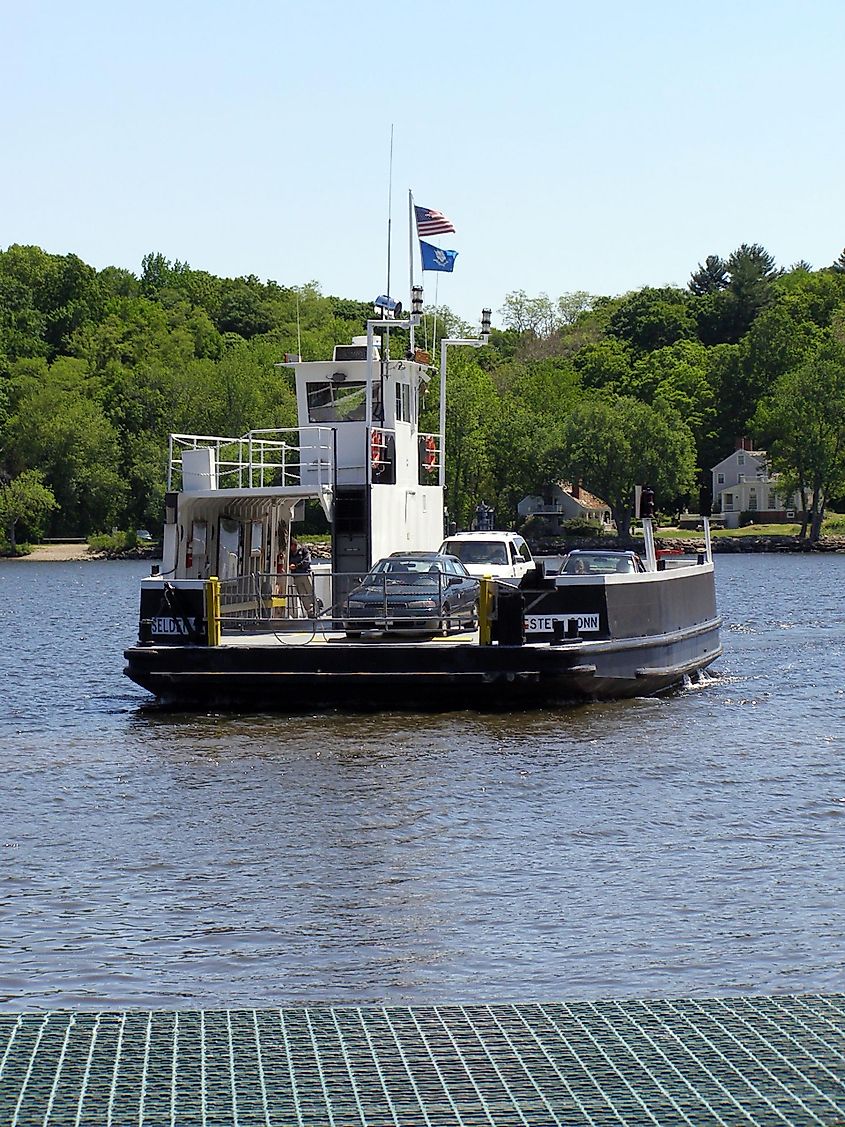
(382, 455)
(287, 456)
(431, 456)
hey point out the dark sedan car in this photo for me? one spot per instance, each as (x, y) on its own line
(413, 593)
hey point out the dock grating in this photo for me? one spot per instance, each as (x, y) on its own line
(772, 1060)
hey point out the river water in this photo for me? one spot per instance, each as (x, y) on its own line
(691, 845)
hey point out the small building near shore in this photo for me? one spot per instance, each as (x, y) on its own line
(744, 487)
(560, 502)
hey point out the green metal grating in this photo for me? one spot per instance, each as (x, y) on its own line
(726, 1061)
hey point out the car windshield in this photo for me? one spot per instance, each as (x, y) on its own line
(477, 551)
(406, 570)
(588, 564)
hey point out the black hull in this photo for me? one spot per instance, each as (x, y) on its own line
(439, 676)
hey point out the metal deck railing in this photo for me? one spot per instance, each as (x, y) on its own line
(271, 601)
(288, 456)
(733, 1061)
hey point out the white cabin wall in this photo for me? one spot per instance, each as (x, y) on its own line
(406, 520)
(407, 469)
(352, 455)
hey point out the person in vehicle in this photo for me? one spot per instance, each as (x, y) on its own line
(576, 565)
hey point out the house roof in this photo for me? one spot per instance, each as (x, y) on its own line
(585, 497)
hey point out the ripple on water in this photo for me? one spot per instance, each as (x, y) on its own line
(684, 845)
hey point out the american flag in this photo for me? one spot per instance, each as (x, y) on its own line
(432, 222)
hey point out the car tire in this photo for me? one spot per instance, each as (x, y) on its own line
(473, 616)
(353, 634)
(446, 621)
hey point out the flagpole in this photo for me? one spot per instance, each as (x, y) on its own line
(434, 330)
(411, 263)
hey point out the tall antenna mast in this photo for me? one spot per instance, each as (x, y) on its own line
(389, 228)
(389, 209)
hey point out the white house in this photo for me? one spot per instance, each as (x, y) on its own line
(561, 502)
(742, 483)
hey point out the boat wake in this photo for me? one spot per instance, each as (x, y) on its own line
(701, 680)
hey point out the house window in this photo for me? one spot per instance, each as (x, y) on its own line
(772, 502)
(729, 502)
(752, 499)
(720, 479)
(740, 459)
(740, 477)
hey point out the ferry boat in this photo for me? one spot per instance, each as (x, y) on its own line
(224, 624)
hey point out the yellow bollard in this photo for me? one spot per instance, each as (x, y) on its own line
(485, 611)
(212, 609)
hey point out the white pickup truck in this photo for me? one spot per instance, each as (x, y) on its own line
(502, 555)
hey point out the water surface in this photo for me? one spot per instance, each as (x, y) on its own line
(690, 845)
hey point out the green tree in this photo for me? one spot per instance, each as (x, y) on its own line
(653, 318)
(676, 376)
(612, 445)
(523, 429)
(803, 425)
(26, 500)
(711, 277)
(724, 377)
(534, 315)
(159, 273)
(58, 426)
(777, 342)
(244, 309)
(726, 313)
(605, 364)
(816, 295)
(471, 406)
(44, 298)
(570, 306)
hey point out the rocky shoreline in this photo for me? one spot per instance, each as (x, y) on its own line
(749, 544)
(76, 552)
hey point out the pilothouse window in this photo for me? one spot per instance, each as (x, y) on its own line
(341, 402)
(403, 402)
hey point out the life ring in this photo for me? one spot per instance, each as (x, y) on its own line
(377, 445)
(430, 452)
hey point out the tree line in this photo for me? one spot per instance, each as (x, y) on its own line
(98, 367)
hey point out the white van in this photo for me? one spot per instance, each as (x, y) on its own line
(502, 555)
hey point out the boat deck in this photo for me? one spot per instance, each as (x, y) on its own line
(323, 637)
(757, 1060)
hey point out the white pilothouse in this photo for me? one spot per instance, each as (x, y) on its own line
(233, 504)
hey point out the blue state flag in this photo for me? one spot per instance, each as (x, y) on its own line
(433, 258)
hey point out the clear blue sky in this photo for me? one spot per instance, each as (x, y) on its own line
(599, 147)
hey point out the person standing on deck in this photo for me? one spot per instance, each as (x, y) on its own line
(300, 566)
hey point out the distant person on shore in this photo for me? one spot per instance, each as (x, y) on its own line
(300, 566)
